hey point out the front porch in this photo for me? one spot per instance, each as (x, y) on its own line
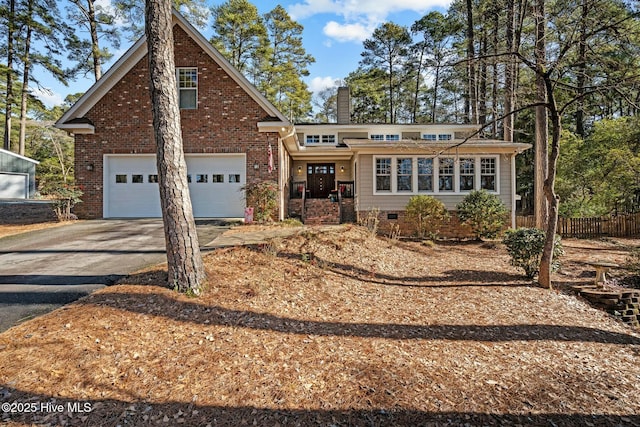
(337, 208)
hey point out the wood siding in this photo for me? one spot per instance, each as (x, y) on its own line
(394, 202)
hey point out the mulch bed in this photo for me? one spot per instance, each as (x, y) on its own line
(334, 328)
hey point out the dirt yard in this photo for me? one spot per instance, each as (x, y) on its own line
(333, 328)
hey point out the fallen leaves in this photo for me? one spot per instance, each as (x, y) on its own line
(365, 331)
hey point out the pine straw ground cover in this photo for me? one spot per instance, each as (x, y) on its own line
(332, 328)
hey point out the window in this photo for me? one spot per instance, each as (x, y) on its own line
(217, 178)
(328, 139)
(467, 174)
(202, 178)
(137, 179)
(187, 88)
(189, 178)
(444, 137)
(317, 139)
(383, 174)
(153, 178)
(385, 137)
(429, 137)
(121, 179)
(488, 173)
(425, 174)
(404, 174)
(446, 172)
(233, 177)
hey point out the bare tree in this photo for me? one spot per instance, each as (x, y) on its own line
(186, 270)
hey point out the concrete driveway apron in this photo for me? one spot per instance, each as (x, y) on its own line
(44, 269)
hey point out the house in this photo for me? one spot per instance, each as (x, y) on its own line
(17, 176)
(232, 135)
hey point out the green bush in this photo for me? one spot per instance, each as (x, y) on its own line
(428, 213)
(263, 197)
(484, 213)
(525, 246)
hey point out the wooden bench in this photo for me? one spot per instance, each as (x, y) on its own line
(602, 268)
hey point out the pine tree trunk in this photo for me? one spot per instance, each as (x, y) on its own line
(509, 77)
(185, 266)
(95, 43)
(9, 99)
(26, 60)
(472, 108)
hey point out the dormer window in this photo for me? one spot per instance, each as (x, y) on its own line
(384, 137)
(329, 139)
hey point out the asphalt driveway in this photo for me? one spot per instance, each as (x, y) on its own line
(42, 270)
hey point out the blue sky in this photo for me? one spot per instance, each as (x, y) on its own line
(333, 33)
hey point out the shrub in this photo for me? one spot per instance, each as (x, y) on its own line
(428, 213)
(525, 246)
(263, 196)
(371, 221)
(484, 213)
(66, 197)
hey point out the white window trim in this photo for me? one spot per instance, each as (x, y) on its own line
(321, 136)
(436, 173)
(180, 89)
(386, 135)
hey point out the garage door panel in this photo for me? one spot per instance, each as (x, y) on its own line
(132, 191)
(13, 186)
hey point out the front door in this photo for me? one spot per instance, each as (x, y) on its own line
(320, 179)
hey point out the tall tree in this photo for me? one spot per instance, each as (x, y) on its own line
(40, 22)
(99, 23)
(286, 63)
(541, 146)
(387, 50)
(433, 50)
(186, 270)
(132, 12)
(472, 89)
(240, 35)
(10, 19)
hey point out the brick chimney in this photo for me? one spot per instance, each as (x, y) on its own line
(344, 106)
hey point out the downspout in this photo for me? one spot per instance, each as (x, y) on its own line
(513, 190)
(282, 178)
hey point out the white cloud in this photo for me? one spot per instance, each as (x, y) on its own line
(360, 17)
(353, 10)
(48, 97)
(320, 83)
(347, 32)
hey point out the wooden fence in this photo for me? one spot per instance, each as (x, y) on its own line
(627, 225)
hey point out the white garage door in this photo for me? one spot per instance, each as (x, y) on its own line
(215, 182)
(13, 186)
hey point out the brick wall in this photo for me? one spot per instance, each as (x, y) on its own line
(321, 211)
(224, 122)
(26, 212)
(452, 229)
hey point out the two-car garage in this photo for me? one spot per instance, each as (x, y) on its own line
(215, 185)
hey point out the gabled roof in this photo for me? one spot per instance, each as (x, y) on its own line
(72, 120)
(18, 156)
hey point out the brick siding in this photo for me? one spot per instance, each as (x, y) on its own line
(224, 122)
(453, 229)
